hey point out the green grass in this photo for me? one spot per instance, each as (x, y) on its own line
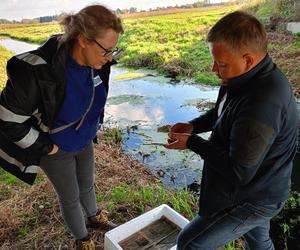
(4, 56)
(8, 179)
(34, 33)
(140, 198)
(129, 76)
(162, 42)
(295, 47)
(113, 135)
(173, 41)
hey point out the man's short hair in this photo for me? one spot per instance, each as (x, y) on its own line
(239, 30)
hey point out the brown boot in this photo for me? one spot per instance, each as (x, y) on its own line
(100, 220)
(85, 244)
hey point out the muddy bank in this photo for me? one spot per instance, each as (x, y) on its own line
(284, 48)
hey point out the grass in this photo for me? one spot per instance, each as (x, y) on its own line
(129, 76)
(172, 43)
(4, 56)
(149, 196)
(267, 9)
(113, 136)
(34, 33)
(8, 179)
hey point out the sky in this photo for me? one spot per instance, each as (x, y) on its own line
(20, 9)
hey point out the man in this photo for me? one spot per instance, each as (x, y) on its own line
(248, 158)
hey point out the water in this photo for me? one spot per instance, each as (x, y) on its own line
(17, 47)
(139, 107)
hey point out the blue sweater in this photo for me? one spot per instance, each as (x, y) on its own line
(78, 96)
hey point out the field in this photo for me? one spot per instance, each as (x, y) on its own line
(172, 43)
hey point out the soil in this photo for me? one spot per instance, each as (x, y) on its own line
(287, 58)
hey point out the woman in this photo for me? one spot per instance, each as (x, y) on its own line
(50, 109)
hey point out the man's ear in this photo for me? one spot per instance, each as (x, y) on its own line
(249, 61)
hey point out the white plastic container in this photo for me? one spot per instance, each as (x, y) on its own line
(122, 232)
(294, 27)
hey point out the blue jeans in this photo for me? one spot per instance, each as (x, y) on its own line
(247, 220)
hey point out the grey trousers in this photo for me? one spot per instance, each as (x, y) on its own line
(72, 176)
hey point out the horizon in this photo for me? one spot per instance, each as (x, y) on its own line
(16, 10)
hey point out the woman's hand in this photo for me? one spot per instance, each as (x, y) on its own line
(54, 150)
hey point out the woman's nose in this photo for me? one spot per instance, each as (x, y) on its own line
(109, 58)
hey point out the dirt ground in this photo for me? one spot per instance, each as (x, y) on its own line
(287, 56)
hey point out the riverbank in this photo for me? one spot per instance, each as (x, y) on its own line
(194, 60)
(284, 48)
(30, 217)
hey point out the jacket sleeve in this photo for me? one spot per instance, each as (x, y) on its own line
(18, 101)
(251, 137)
(203, 123)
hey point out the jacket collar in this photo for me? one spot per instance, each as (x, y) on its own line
(241, 83)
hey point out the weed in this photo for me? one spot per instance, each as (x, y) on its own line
(100, 196)
(28, 223)
(148, 196)
(113, 135)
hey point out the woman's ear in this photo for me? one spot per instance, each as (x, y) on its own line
(82, 41)
(249, 61)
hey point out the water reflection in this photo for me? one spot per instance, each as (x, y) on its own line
(17, 47)
(149, 103)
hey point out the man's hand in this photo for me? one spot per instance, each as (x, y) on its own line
(177, 140)
(182, 127)
(54, 150)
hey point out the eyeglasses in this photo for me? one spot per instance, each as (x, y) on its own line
(107, 52)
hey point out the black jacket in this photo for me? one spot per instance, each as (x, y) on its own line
(250, 153)
(29, 104)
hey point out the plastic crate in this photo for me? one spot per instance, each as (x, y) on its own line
(124, 231)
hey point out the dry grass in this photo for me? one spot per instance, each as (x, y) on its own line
(169, 11)
(30, 217)
(287, 56)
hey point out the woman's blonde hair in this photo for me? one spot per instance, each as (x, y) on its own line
(92, 21)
